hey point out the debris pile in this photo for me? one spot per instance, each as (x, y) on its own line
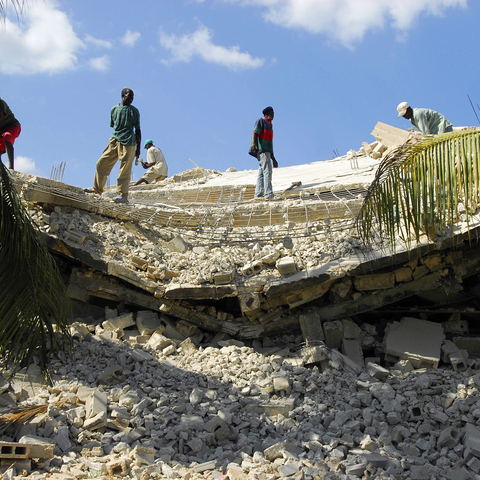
(137, 398)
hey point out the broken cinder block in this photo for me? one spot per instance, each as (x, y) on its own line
(286, 265)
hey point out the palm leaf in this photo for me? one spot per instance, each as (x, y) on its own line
(33, 296)
(422, 187)
(16, 4)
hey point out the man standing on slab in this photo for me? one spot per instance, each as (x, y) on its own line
(262, 145)
(124, 145)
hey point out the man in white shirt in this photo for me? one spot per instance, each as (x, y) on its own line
(156, 164)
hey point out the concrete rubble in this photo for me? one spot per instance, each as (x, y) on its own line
(207, 254)
(220, 337)
(137, 399)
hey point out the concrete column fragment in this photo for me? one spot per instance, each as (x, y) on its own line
(333, 333)
(311, 326)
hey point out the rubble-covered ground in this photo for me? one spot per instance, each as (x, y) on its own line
(136, 399)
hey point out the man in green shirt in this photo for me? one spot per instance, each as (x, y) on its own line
(428, 122)
(124, 145)
(9, 130)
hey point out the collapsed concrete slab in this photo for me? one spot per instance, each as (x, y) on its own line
(418, 341)
(213, 257)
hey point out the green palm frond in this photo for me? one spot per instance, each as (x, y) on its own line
(33, 296)
(16, 4)
(423, 187)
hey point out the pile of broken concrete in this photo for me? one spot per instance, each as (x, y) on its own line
(138, 397)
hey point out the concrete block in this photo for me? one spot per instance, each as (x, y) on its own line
(148, 322)
(109, 375)
(124, 321)
(342, 288)
(353, 350)
(159, 342)
(140, 355)
(315, 355)
(62, 441)
(279, 449)
(434, 262)
(449, 437)
(39, 447)
(311, 326)
(333, 333)
(381, 281)
(203, 467)
(377, 371)
(452, 354)
(96, 403)
(252, 268)
(471, 442)
(186, 328)
(404, 366)
(143, 455)
(456, 325)
(286, 265)
(223, 278)
(420, 472)
(388, 135)
(250, 303)
(281, 384)
(403, 275)
(416, 340)
(218, 427)
(282, 407)
(459, 474)
(96, 422)
(351, 330)
(470, 344)
(178, 244)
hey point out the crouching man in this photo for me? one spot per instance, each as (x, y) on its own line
(156, 165)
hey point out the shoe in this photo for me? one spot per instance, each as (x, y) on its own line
(120, 199)
(89, 190)
(273, 197)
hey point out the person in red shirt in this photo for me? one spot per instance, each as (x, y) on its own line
(9, 130)
(262, 148)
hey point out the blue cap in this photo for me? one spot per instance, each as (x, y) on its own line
(147, 142)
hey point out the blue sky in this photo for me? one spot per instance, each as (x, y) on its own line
(203, 70)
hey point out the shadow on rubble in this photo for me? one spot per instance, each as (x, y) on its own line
(217, 402)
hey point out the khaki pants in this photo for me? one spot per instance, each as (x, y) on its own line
(115, 151)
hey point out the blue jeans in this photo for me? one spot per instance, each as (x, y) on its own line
(264, 179)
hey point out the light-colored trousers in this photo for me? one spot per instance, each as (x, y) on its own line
(115, 151)
(264, 178)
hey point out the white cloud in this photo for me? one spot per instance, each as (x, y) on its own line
(199, 44)
(44, 41)
(130, 38)
(100, 63)
(26, 165)
(98, 42)
(347, 21)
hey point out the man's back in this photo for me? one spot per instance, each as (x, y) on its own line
(123, 119)
(429, 121)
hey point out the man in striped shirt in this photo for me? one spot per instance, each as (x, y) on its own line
(262, 145)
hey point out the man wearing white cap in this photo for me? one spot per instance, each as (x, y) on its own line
(429, 122)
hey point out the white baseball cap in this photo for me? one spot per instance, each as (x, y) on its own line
(401, 109)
